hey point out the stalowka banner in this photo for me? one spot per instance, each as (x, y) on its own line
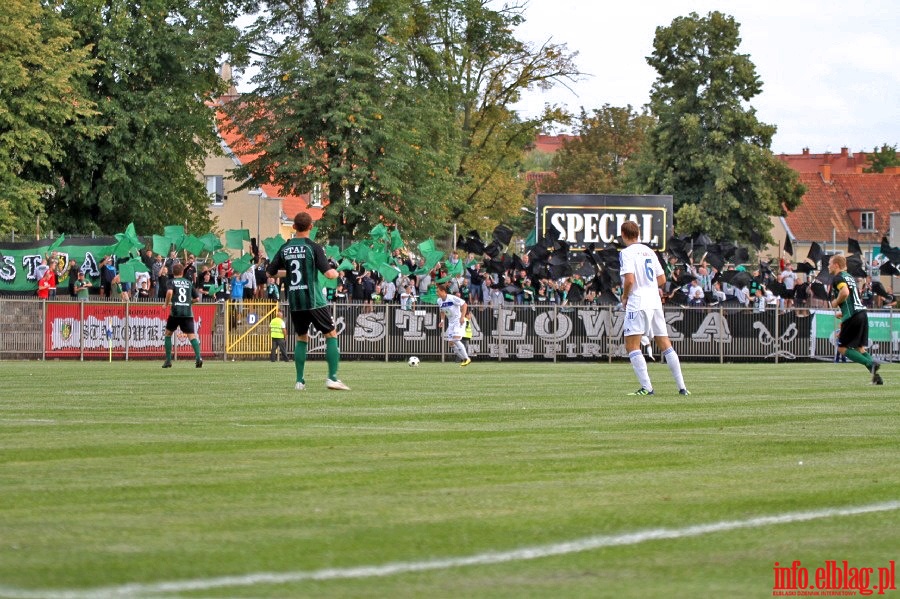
(20, 262)
(94, 329)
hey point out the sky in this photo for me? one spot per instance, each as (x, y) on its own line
(830, 70)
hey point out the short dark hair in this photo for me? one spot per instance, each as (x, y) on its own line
(178, 269)
(302, 222)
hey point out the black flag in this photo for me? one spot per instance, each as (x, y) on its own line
(788, 246)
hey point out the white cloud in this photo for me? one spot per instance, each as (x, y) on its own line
(828, 67)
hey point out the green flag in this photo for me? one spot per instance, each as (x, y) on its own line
(396, 240)
(312, 233)
(126, 272)
(532, 239)
(427, 246)
(138, 265)
(126, 242)
(431, 260)
(376, 258)
(175, 233)
(429, 298)
(388, 272)
(211, 242)
(192, 244)
(455, 269)
(55, 245)
(326, 282)
(358, 251)
(162, 245)
(444, 279)
(345, 265)
(220, 257)
(272, 245)
(378, 232)
(235, 238)
(242, 264)
(333, 252)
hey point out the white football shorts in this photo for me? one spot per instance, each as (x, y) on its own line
(455, 330)
(651, 323)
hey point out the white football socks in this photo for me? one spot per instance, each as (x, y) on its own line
(675, 366)
(640, 369)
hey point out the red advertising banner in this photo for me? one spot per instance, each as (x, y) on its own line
(138, 330)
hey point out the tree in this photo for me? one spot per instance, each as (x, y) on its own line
(158, 64)
(488, 69)
(597, 159)
(41, 103)
(331, 108)
(882, 158)
(398, 108)
(708, 149)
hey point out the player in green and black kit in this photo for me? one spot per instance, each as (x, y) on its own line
(181, 296)
(300, 261)
(854, 335)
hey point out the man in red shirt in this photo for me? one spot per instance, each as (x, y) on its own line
(44, 285)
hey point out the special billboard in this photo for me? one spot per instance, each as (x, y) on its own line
(582, 219)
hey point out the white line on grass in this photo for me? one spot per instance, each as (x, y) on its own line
(479, 559)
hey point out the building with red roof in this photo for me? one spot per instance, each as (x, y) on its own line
(264, 210)
(839, 164)
(840, 202)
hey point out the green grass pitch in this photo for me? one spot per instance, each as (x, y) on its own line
(225, 482)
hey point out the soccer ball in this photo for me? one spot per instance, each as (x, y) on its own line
(413, 361)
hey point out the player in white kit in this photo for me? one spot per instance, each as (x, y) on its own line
(453, 311)
(642, 276)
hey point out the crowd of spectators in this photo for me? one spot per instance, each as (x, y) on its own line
(759, 287)
(214, 282)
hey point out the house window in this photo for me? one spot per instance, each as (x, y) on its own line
(867, 221)
(215, 189)
(315, 195)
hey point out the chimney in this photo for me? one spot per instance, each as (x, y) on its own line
(806, 151)
(825, 171)
(225, 74)
(844, 152)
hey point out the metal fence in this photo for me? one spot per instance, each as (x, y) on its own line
(35, 329)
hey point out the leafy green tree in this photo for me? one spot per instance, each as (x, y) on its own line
(41, 104)
(882, 158)
(158, 63)
(398, 107)
(489, 70)
(596, 160)
(332, 106)
(708, 149)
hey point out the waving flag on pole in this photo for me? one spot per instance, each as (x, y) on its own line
(235, 238)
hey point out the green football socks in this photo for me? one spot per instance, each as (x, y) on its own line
(168, 345)
(195, 343)
(300, 359)
(332, 356)
(859, 358)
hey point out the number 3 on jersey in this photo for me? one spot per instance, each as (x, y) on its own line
(296, 274)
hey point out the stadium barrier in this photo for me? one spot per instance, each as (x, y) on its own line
(36, 329)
